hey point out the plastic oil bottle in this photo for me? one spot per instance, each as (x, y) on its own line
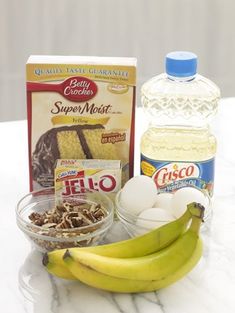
(178, 149)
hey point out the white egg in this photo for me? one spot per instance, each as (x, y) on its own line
(153, 218)
(183, 197)
(138, 194)
(164, 200)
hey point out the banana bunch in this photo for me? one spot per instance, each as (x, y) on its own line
(145, 263)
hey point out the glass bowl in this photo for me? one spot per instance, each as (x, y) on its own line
(134, 224)
(47, 239)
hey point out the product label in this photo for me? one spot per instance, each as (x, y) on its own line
(73, 177)
(170, 176)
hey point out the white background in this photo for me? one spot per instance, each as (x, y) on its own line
(146, 29)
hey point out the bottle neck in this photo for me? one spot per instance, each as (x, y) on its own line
(181, 79)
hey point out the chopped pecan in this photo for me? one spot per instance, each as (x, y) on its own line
(63, 225)
(39, 222)
(99, 214)
(76, 221)
(34, 216)
(49, 225)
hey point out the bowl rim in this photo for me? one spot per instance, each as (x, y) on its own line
(23, 224)
(123, 213)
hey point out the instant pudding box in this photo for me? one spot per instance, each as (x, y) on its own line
(79, 108)
(75, 176)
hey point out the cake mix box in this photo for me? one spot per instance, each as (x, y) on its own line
(75, 176)
(79, 108)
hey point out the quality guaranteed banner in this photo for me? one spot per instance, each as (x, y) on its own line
(52, 72)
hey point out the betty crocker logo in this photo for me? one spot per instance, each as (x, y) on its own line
(79, 89)
(175, 172)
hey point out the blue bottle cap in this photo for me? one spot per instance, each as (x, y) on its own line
(181, 64)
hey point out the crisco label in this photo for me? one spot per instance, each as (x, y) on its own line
(172, 175)
(175, 172)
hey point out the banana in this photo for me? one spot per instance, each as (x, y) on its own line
(148, 243)
(114, 284)
(150, 267)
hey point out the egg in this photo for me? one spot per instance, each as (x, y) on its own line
(153, 218)
(138, 194)
(164, 200)
(183, 197)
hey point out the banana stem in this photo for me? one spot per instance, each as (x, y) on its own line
(197, 212)
(196, 209)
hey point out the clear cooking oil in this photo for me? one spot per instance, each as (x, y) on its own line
(178, 149)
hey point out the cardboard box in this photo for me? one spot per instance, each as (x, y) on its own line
(79, 108)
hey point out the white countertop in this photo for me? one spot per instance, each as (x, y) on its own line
(26, 287)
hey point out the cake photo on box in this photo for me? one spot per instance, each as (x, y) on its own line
(69, 142)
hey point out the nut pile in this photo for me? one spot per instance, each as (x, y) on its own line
(67, 216)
